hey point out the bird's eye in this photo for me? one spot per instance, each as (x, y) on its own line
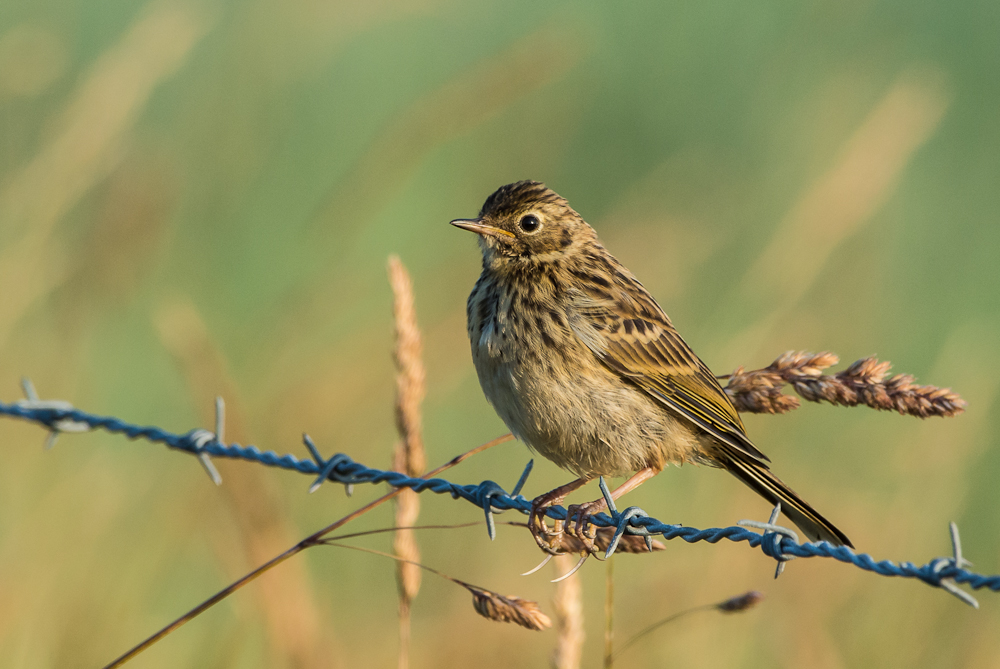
(530, 223)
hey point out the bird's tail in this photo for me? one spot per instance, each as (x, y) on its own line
(771, 488)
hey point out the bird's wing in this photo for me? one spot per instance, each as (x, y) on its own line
(622, 324)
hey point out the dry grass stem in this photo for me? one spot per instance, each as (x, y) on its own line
(743, 602)
(409, 456)
(489, 604)
(609, 615)
(568, 604)
(864, 382)
(396, 528)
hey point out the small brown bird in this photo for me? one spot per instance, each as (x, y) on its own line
(585, 368)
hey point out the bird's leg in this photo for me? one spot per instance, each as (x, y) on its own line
(536, 519)
(583, 512)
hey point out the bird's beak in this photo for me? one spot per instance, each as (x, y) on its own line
(477, 226)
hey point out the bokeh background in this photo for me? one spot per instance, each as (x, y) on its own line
(199, 199)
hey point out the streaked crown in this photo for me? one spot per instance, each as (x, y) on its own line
(527, 222)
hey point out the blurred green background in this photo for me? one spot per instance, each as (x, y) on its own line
(199, 199)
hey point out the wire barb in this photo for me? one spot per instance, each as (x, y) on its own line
(621, 521)
(771, 541)
(524, 478)
(32, 401)
(489, 490)
(201, 438)
(954, 562)
(325, 467)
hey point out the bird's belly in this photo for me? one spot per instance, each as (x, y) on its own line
(581, 416)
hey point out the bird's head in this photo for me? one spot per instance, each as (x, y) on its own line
(526, 222)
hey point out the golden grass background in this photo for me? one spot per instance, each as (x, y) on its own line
(199, 199)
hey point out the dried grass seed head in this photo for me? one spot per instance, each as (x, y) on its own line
(747, 600)
(511, 609)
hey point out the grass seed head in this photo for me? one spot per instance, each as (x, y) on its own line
(522, 612)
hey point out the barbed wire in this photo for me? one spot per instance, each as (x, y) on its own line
(775, 541)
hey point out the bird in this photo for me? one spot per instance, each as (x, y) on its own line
(586, 369)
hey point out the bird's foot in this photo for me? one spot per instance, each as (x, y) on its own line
(549, 539)
(582, 529)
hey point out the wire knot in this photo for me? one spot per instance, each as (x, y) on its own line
(770, 542)
(49, 413)
(622, 526)
(944, 569)
(328, 468)
(487, 490)
(484, 494)
(621, 521)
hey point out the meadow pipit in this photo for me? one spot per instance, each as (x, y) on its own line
(585, 368)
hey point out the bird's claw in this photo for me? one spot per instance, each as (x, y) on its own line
(574, 535)
(582, 529)
(548, 539)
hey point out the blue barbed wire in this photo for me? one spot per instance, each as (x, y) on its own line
(775, 542)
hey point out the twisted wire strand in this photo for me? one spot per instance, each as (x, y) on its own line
(491, 497)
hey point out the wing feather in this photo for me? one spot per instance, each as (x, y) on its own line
(625, 328)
